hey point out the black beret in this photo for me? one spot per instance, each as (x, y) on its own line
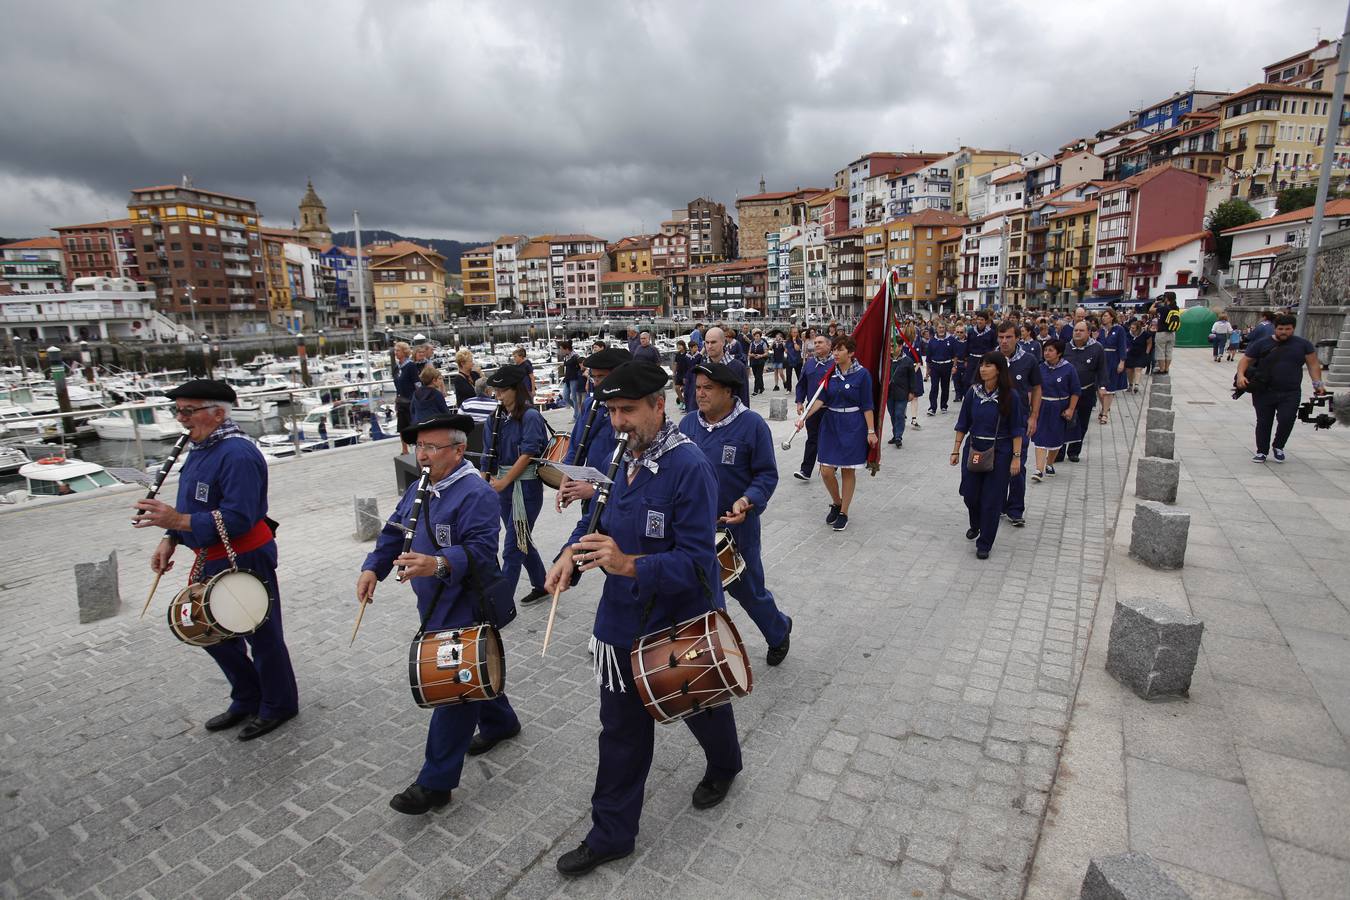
(608, 359)
(720, 373)
(203, 389)
(452, 421)
(632, 381)
(507, 376)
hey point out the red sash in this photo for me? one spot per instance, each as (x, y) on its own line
(252, 539)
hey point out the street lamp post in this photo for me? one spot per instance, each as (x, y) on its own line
(192, 304)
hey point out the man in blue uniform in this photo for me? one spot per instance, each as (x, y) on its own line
(226, 474)
(1089, 360)
(655, 546)
(959, 356)
(813, 371)
(715, 351)
(1024, 371)
(451, 564)
(407, 372)
(939, 356)
(739, 447)
(980, 339)
(595, 418)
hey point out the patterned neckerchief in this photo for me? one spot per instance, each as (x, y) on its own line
(463, 470)
(227, 429)
(842, 374)
(1016, 356)
(736, 409)
(667, 439)
(985, 396)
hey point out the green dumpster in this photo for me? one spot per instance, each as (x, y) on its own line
(1195, 325)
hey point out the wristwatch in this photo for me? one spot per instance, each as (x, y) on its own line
(442, 567)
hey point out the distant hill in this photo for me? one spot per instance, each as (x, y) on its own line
(451, 250)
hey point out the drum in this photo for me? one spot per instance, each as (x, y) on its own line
(231, 603)
(728, 557)
(456, 665)
(698, 664)
(555, 451)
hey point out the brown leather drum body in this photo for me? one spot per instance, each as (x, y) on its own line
(556, 451)
(456, 665)
(729, 558)
(698, 664)
(190, 618)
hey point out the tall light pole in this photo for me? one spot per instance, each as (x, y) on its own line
(192, 304)
(361, 290)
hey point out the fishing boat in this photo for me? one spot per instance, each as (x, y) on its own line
(19, 420)
(12, 459)
(324, 426)
(148, 423)
(58, 476)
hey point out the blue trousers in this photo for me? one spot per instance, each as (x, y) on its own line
(1016, 504)
(750, 591)
(985, 492)
(959, 379)
(627, 737)
(812, 442)
(512, 557)
(895, 408)
(448, 738)
(264, 684)
(1082, 422)
(942, 375)
(496, 718)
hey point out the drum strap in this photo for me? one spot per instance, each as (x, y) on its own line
(651, 603)
(485, 608)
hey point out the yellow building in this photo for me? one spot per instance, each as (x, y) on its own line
(967, 164)
(1272, 135)
(912, 245)
(632, 255)
(1072, 245)
(480, 286)
(1014, 273)
(278, 282)
(409, 283)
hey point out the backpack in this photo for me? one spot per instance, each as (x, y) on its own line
(1172, 320)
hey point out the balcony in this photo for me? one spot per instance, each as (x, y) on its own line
(1143, 268)
(229, 237)
(1265, 142)
(235, 255)
(239, 271)
(241, 292)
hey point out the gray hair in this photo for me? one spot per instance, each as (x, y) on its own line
(219, 404)
(457, 437)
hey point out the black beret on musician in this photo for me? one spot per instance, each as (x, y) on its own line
(452, 421)
(507, 376)
(608, 359)
(203, 389)
(720, 373)
(632, 381)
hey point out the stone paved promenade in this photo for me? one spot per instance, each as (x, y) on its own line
(905, 748)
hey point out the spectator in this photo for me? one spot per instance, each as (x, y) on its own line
(1218, 335)
(645, 349)
(1272, 371)
(428, 398)
(464, 377)
(1169, 323)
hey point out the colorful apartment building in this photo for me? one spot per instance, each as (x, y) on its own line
(99, 249)
(761, 214)
(409, 283)
(584, 274)
(1158, 203)
(33, 266)
(479, 280)
(1272, 135)
(1073, 252)
(632, 293)
(632, 255)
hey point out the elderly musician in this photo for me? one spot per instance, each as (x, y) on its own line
(226, 473)
(738, 445)
(656, 549)
(596, 432)
(452, 558)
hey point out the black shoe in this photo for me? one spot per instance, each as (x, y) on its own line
(801, 476)
(534, 596)
(1017, 521)
(972, 533)
(480, 745)
(710, 793)
(933, 412)
(260, 726)
(416, 800)
(981, 554)
(841, 522)
(833, 514)
(779, 653)
(583, 859)
(225, 720)
(1073, 459)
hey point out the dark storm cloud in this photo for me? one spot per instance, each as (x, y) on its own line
(472, 120)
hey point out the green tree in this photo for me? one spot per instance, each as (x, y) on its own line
(1294, 198)
(1228, 214)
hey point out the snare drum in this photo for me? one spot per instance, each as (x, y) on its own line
(456, 665)
(698, 664)
(232, 603)
(728, 557)
(556, 451)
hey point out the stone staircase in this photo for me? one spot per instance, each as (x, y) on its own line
(1338, 374)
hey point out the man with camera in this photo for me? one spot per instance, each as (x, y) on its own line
(1271, 369)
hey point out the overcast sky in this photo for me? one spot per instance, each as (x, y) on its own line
(468, 120)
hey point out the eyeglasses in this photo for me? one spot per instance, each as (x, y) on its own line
(187, 412)
(432, 448)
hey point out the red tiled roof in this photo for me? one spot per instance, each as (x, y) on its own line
(111, 223)
(852, 232)
(1015, 176)
(1162, 245)
(934, 217)
(1334, 208)
(393, 251)
(804, 193)
(583, 256)
(37, 243)
(612, 277)
(1076, 209)
(569, 238)
(1277, 88)
(1263, 251)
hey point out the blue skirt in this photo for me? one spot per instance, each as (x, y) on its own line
(843, 440)
(1115, 381)
(1051, 429)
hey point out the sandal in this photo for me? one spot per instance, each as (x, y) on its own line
(1102, 419)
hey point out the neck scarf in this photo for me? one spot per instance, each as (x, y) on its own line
(985, 396)
(667, 439)
(226, 429)
(736, 409)
(463, 470)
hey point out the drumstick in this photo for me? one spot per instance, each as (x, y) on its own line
(359, 613)
(552, 612)
(154, 585)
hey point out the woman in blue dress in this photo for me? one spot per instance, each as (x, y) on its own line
(847, 431)
(1059, 401)
(1141, 348)
(1115, 340)
(520, 492)
(793, 356)
(994, 417)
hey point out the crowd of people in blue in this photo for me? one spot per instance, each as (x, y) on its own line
(684, 484)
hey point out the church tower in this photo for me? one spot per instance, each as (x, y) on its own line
(314, 218)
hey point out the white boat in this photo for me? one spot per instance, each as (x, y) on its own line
(259, 361)
(149, 423)
(81, 396)
(12, 459)
(57, 476)
(248, 408)
(19, 420)
(22, 395)
(324, 426)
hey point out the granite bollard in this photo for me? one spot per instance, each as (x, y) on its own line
(1158, 535)
(368, 521)
(1160, 442)
(1160, 419)
(1153, 648)
(1157, 479)
(1160, 400)
(1129, 876)
(778, 409)
(96, 589)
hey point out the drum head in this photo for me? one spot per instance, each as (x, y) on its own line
(238, 601)
(733, 651)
